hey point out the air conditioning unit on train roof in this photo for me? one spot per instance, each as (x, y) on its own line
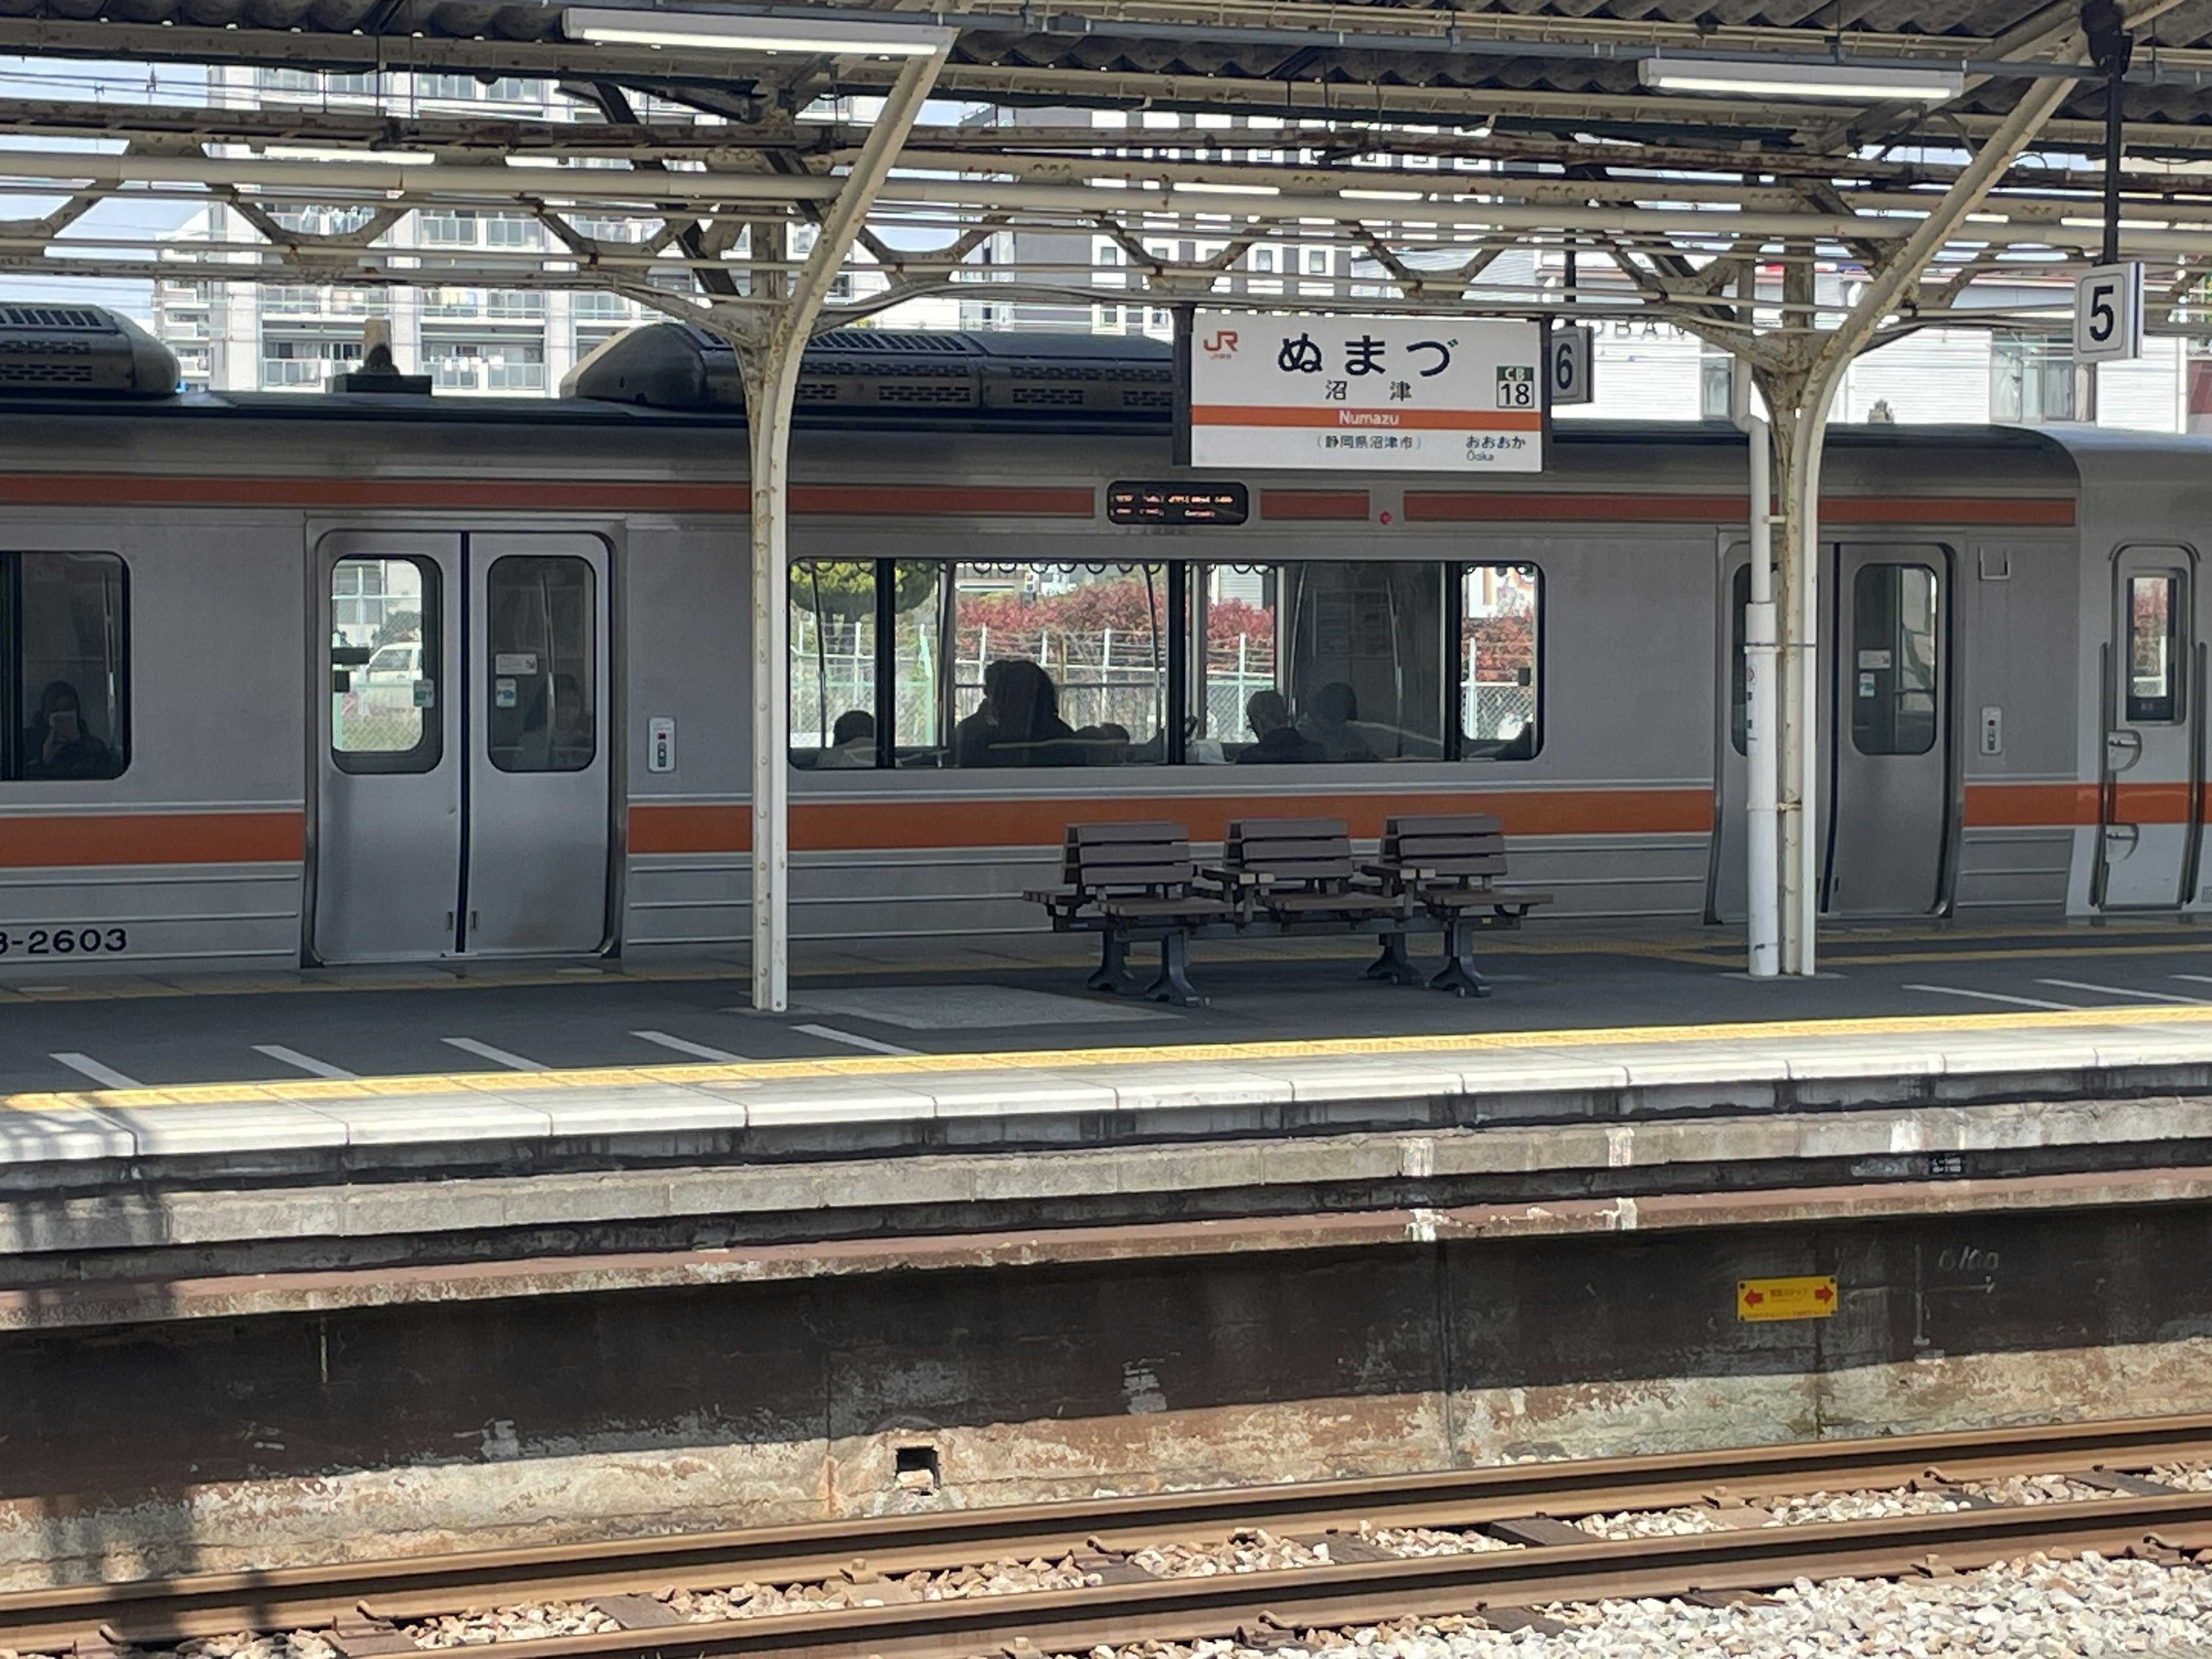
(900, 372)
(81, 349)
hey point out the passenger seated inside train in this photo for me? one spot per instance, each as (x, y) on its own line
(1329, 720)
(1280, 743)
(852, 743)
(60, 745)
(1020, 723)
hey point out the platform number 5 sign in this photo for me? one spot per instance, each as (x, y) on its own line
(2108, 313)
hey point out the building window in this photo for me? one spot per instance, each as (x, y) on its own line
(2031, 379)
(305, 362)
(70, 716)
(486, 364)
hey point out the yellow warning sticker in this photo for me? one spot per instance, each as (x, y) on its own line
(1812, 1298)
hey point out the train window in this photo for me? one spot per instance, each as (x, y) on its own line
(1894, 665)
(1500, 642)
(72, 708)
(541, 667)
(833, 664)
(1054, 665)
(385, 666)
(2155, 652)
(1319, 662)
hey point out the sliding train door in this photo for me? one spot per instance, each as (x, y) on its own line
(1885, 732)
(462, 772)
(1889, 764)
(2150, 822)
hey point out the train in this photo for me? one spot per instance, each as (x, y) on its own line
(375, 675)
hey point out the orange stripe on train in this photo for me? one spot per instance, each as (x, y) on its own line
(90, 838)
(854, 826)
(901, 501)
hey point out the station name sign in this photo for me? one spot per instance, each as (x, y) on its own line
(1360, 394)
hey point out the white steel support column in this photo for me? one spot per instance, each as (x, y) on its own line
(1761, 685)
(770, 360)
(1799, 386)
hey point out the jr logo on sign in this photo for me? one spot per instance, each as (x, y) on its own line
(1222, 343)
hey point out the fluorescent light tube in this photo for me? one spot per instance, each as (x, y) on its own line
(861, 35)
(1843, 82)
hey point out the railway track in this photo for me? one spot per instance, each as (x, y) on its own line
(359, 1606)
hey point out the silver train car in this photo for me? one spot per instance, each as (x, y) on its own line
(375, 676)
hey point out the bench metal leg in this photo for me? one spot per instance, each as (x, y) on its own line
(1173, 983)
(1113, 973)
(1394, 965)
(1459, 975)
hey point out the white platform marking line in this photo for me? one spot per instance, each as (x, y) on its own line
(307, 1063)
(1991, 996)
(2194, 979)
(106, 1076)
(831, 1034)
(684, 1046)
(497, 1057)
(2121, 991)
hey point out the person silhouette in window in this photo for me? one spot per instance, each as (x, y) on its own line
(852, 743)
(1020, 723)
(1280, 743)
(60, 745)
(1329, 723)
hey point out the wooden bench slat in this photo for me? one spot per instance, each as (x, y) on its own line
(1444, 824)
(1287, 829)
(1417, 846)
(1096, 835)
(1139, 875)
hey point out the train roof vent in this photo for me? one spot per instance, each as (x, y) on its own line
(81, 350)
(918, 341)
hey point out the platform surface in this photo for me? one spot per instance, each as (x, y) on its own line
(1025, 995)
(102, 1069)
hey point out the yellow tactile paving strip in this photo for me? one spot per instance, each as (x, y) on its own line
(1766, 1034)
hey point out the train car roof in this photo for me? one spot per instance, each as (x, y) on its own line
(382, 409)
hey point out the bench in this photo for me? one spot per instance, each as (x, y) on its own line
(1136, 882)
(1130, 883)
(1448, 866)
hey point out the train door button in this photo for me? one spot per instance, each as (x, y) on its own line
(660, 744)
(1992, 730)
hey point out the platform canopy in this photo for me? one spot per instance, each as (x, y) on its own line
(1391, 129)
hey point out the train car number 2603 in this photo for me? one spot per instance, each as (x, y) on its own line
(62, 941)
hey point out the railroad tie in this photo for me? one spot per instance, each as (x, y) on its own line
(636, 1611)
(1538, 1531)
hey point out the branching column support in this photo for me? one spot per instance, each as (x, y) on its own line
(1799, 373)
(771, 333)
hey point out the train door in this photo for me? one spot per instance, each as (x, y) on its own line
(1888, 807)
(1727, 886)
(2149, 826)
(463, 773)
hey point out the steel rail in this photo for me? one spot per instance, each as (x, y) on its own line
(1367, 1592)
(153, 1611)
